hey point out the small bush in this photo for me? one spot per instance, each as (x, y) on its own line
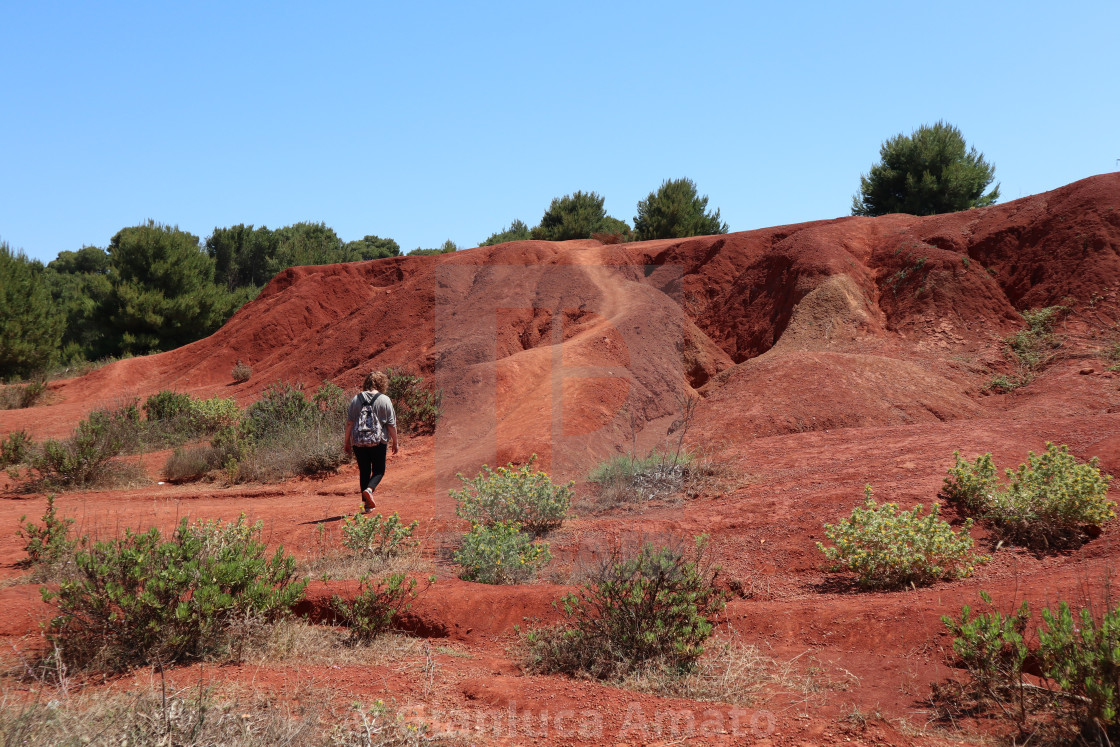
(655, 606)
(887, 548)
(522, 495)
(625, 480)
(15, 449)
(417, 407)
(86, 458)
(241, 372)
(1031, 348)
(500, 554)
(377, 537)
(282, 434)
(186, 465)
(49, 546)
(283, 406)
(167, 405)
(372, 611)
(141, 599)
(971, 484)
(1078, 661)
(211, 415)
(18, 397)
(1051, 498)
(991, 646)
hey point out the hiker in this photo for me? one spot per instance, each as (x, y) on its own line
(370, 424)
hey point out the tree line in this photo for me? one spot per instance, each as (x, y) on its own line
(156, 287)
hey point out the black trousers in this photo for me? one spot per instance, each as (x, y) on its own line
(371, 465)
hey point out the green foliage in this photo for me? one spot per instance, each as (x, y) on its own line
(80, 286)
(887, 548)
(281, 434)
(372, 611)
(140, 599)
(167, 405)
(447, 247)
(85, 459)
(1082, 655)
(373, 247)
(418, 408)
(1078, 660)
(281, 405)
(522, 495)
(675, 211)
(500, 554)
(655, 606)
(991, 645)
(1048, 499)
(31, 326)
(1032, 347)
(15, 449)
(517, 231)
(971, 484)
(373, 536)
(926, 173)
(163, 294)
(50, 545)
(577, 216)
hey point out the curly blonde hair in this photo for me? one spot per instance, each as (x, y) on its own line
(375, 380)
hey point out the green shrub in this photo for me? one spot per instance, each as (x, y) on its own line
(971, 484)
(376, 537)
(210, 415)
(417, 407)
(140, 599)
(15, 449)
(991, 646)
(282, 434)
(48, 546)
(167, 405)
(1082, 656)
(1078, 660)
(1031, 348)
(283, 405)
(522, 495)
(655, 606)
(887, 548)
(372, 611)
(1048, 499)
(500, 554)
(86, 458)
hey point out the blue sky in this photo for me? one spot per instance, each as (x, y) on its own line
(436, 120)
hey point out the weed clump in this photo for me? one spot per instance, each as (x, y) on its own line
(500, 554)
(887, 548)
(378, 537)
(1051, 499)
(655, 606)
(371, 613)
(1032, 348)
(1076, 659)
(418, 407)
(509, 494)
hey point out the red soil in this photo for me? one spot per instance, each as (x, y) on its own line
(828, 355)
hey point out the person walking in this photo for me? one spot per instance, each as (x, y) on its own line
(371, 425)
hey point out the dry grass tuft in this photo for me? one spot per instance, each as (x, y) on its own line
(739, 674)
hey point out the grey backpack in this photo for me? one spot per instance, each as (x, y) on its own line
(367, 429)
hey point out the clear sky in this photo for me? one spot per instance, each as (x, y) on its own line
(424, 121)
